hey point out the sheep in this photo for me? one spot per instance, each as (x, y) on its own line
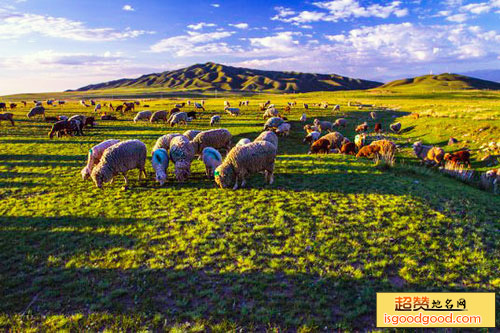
(108, 117)
(348, 148)
(79, 122)
(215, 119)
(362, 127)
(243, 141)
(62, 117)
(226, 104)
(435, 155)
(323, 125)
(61, 127)
(181, 152)
(396, 127)
(60, 102)
(232, 111)
(268, 136)
(12, 106)
(340, 122)
(158, 115)
(336, 107)
(212, 159)
(373, 115)
(97, 107)
(164, 141)
(272, 123)
(191, 134)
(244, 160)
(119, 159)
(283, 129)
(311, 128)
(159, 161)
(191, 114)
(177, 118)
(359, 140)
(179, 105)
(94, 156)
(386, 146)
(199, 106)
(270, 112)
(368, 151)
(378, 128)
(421, 150)
(3, 106)
(306, 106)
(36, 111)
(129, 107)
(82, 102)
(303, 118)
(143, 115)
(287, 109)
(119, 108)
(216, 138)
(173, 111)
(7, 116)
(452, 141)
(311, 137)
(335, 139)
(462, 156)
(322, 145)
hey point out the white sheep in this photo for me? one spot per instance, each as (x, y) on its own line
(270, 112)
(178, 118)
(164, 141)
(243, 141)
(143, 115)
(216, 138)
(283, 129)
(232, 111)
(312, 137)
(212, 159)
(268, 136)
(94, 156)
(303, 118)
(359, 140)
(215, 119)
(323, 125)
(191, 134)
(181, 153)
(159, 160)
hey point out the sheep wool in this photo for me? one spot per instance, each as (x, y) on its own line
(191, 134)
(303, 118)
(212, 159)
(142, 115)
(159, 161)
(243, 141)
(158, 115)
(214, 119)
(94, 156)
(182, 154)
(37, 110)
(118, 159)
(217, 138)
(268, 136)
(421, 150)
(283, 129)
(323, 125)
(386, 146)
(164, 141)
(177, 118)
(335, 139)
(273, 122)
(396, 127)
(245, 160)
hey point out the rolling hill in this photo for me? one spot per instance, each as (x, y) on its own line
(444, 81)
(210, 76)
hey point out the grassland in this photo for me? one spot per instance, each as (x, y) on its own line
(306, 253)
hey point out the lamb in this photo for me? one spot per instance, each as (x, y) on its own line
(270, 112)
(378, 128)
(273, 123)
(311, 137)
(368, 151)
(164, 141)
(373, 115)
(396, 127)
(283, 129)
(268, 136)
(212, 159)
(215, 119)
(310, 128)
(78, 121)
(191, 134)
(36, 111)
(323, 125)
(435, 155)
(159, 160)
(359, 140)
(216, 138)
(158, 115)
(119, 159)
(181, 153)
(7, 116)
(335, 139)
(462, 156)
(386, 146)
(232, 111)
(94, 156)
(362, 127)
(322, 145)
(243, 141)
(244, 160)
(348, 148)
(142, 115)
(177, 118)
(60, 128)
(421, 150)
(303, 118)
(340, 122)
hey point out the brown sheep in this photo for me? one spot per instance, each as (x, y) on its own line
(7, 116)
(436, 155)
(348, 148)
(320, 146)
(378, 128)
(462, 156)
(362, 128)
(172, 111)
(386, 146)
(368, 151)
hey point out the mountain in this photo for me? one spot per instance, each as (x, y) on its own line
(444, 81)
(210, 76)
(485, 74)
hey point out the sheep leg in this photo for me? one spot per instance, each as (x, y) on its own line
(235, 187)
(125, 177)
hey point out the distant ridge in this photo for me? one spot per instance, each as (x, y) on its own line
(210, 76)
(441, 82)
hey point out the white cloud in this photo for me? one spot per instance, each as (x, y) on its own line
(14, 25)
(194, 43)
(458, 18)
(128, 8)
(216, 5)
(240, 25)
(201, 25)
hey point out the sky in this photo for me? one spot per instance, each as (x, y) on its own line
(54, 45)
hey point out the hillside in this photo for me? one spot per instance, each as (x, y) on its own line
(444, 81)
(210, 76)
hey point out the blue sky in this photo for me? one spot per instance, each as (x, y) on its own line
(53, 45)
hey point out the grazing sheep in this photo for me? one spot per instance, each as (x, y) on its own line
(311, 128)
(226, 104)
(283, 129)
(336, 107)
(36, 111)
(89, 121)
(287, 109)
(415, 115)
(82, 102)
(191, 114)
(181, 152)
(178, 118)
(243, 141)
(94, 156)
(212, 159)
(273, 123)
(173, 111)
(435, 155)
(60, 128)
(143, 115)
(348, 148)
(340, 122)
(458, 157)
(108, 117)
(164, 141)
(368, 151)
(191, 134)
(214, 120)
(245, 160)
(323, 125)
(268, 136)
(303, 118)
(421, 150)
(13, 106)
(362, 127)
(270, 112)
(452, 141)
(119, 159)
(129, 107)
(3, 106)
(373, 115)
(62, 118)
(159, 115)
(335, 139)
(199, 106)
(311, 137)
(232, 111)
(306, 106)
(216, 138)
(159, 161)
(359, 140)
(97, 107)
(119, 108)
(378, 128)
(321, 146)
(396, 127)
(7, 116)
(386, 146)
(179, 105)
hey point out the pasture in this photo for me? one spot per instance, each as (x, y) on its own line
(307, 253)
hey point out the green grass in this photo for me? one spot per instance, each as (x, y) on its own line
(306, 253)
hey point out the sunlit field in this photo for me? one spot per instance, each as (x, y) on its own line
(308, 252)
